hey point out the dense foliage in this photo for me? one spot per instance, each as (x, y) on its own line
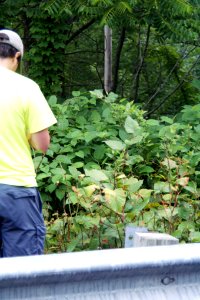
(155, 47)
(108, 166)
(115, 160)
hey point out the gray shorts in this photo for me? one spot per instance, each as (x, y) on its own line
(22, 230)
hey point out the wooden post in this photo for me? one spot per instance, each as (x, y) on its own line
(107, 59)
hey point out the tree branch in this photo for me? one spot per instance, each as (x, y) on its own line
(141, 63)
(80, 30)
(168, 76)
(175, 89)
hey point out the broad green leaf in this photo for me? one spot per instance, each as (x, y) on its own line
(75, 133)
(86, 205)
(44, 169)
(106, 113)
(112, 97)
(97, 94)
(167, 132)
(55, 147)
(195, 237)
(66, 149)
(167, 120)
(135, 159)
(195, 159)
(162, 187)
(137, 139)
(43, 175)
(63, 124)
(51, 187)
(63, 159)
(146, 170)
(167, 212)
(92, 165)
(58, 171)
(152, 122)
(74, 172)
(124, 135)
(81, 120)
(49, 153)
(60, 192)
(186, 211)
(39, 160)
(197, 128)
(76, 93)
(99, 152)
(53, 165)
(96, 175)
(167, 197)
(115, 144)
(145, 193)
(78, 164)
(52, 100)
(133, 184)
(111, 233)
(90, 135)
(59, 178)
(131, 126)
(139, 202)
(88, 221)
(191, 187)
(80, 154)
(74, 242)
(57, 225)
(95, 116)
(186, 226)
(196, 83)
(72, 198)
(94, 243)
(56, 178)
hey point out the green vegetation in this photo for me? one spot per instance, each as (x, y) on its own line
(108, 166)
(155, 48)
(133, 156)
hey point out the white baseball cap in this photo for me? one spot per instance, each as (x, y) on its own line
(12, 38)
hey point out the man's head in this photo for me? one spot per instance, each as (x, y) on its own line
(11, 48)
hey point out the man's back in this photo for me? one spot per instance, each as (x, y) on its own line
(22, 112)
(24, 120)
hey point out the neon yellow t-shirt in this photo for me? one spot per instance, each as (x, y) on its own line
(23, 111)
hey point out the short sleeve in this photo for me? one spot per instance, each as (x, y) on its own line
(39, 114)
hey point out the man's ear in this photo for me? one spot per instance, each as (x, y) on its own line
(18, 56)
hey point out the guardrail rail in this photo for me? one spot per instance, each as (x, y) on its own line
(143, 273)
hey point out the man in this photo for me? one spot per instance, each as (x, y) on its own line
(24, 120)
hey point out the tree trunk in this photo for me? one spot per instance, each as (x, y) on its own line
(107, 59)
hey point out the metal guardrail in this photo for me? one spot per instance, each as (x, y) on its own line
(157, 273)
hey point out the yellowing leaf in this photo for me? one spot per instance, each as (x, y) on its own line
(116, 199)
(182, 181)
(90, 189)
(169, 163)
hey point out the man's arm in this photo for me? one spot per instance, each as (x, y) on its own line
(40, 140)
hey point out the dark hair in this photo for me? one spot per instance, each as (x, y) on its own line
(7, 51)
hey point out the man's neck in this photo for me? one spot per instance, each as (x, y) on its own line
(7, 63)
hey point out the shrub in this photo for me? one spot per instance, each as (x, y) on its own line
(108, 166)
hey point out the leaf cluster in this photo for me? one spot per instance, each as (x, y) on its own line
(108, 166)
